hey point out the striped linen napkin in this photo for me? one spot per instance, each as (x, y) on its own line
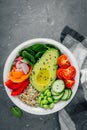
(74, 116)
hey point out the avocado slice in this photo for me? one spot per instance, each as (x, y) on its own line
(44, 71)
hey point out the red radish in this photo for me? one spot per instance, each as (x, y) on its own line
(25, 68)
(23, 61)
(19, 58)
(20, 66)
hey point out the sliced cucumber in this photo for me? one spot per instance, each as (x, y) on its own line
(59, 96)
(69, 94)
(53, 93)
(66, 94)
(58, 86)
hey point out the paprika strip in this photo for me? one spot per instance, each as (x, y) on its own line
(16, 92)
(14, 85)
(9, 83)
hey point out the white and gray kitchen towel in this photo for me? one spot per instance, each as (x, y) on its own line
(74, 116)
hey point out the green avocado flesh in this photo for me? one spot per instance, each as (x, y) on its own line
(44, 71)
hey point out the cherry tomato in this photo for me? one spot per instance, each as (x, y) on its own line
(69, 73)
(69, 83)
(63, 61)
(59, 73)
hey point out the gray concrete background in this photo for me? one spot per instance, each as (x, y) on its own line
(21, 20)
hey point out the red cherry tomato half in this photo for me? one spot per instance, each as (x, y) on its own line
(63, 61)
(69, 73)
(69, 83)
(60, 73)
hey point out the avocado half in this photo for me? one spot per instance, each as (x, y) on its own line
(44, 71)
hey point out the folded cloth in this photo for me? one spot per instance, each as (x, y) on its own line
(74, 116)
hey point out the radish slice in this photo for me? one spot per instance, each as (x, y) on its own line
(21, 66)
(25, 68)
(19, 58)
(23, 61)
(18, 70)
(18, 65)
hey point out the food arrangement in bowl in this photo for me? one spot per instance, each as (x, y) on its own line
(41, 76)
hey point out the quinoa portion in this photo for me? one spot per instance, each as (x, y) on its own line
(29, 96)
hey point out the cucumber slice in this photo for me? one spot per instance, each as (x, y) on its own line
(66, 94)
(53, 93)
(69, 93)
(59, 96)
(58, 86)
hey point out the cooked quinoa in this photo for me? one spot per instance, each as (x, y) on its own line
(29, 96)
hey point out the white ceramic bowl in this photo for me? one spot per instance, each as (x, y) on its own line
(40, 111)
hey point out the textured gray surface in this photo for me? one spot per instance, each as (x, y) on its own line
(21, 20)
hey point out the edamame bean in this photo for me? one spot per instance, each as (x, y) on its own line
(39, 99)
(45, 97)
(41, 104)
(42, 95)
(46, 91)
(45, 106)
(51, 105)
(48, 94)
(55, 100)
(50, 100)
(44, 102)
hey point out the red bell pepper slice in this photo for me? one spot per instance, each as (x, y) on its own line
(9, 83)
(16, 92)
(13, 85)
